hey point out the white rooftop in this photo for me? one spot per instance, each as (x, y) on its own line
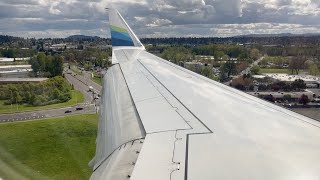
(15, 67)
(290, 78)
(3, 59)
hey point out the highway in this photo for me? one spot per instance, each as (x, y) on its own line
(86, 79)
(25, 116)
(80, 84)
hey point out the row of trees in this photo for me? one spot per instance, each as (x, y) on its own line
(89, 57)
(219, 51)
(289, 50)
(47, 66)
(17, 53)
(303, 99)
(234, 51)
(55, 90)
(276, 61)
(177, 54)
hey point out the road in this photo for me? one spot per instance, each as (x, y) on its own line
(86, 79)
(25, 116)
(255, 63)
(247, 70)
(313, 113)
(80, 84)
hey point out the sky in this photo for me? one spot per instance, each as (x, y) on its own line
(159, 18)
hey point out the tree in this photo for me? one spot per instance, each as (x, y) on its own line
(207, 71)
(313, 70)
(287, 97)
(255, 54)
(57, 66)
(56, 94)
(242, 82)
(255, 70)
(228, 68)
(304, 99)
(41, 58)
(35, 66)
(218, 55)
(297, 63)
(241, 66)
(298, 84)
(269, 98)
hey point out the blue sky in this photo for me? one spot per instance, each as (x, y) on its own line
(160, 18)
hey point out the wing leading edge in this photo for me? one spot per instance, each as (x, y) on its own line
(160, 121)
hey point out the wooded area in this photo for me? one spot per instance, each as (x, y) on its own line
(55, 90)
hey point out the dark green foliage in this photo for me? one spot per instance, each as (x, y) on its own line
(283, 86)
(52, 91)
(298, 84)
(47, 66)
(17, 53)
(304, 99)
(255, 70)
(89, 56)
(269, 98)
(177, 54)
(219, 50)
(229, 68)
(287, 97)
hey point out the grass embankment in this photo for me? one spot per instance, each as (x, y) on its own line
(56, 148)
(97, 79)
(77, 97)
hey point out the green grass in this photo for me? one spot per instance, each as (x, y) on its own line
(97, 79)
(56, 148)
(77, 97)
(265, 70)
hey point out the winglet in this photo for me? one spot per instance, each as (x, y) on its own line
(121, 33)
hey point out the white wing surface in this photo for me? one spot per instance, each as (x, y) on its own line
(159, 121)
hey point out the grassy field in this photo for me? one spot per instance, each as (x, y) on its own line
(77, 97)
(56, 148)
(265, 70)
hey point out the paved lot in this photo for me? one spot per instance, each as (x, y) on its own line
(313, 113)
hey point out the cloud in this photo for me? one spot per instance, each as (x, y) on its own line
(151, 18)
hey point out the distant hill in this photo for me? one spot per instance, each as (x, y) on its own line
(280, 35)
(82, 38)
(9, 39)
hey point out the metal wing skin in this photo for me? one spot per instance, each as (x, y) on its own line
(159, 121)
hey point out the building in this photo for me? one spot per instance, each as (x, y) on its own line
(311, 81)
(21, 80)
(279, 95)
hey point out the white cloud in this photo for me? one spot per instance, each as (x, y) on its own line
(40, 18)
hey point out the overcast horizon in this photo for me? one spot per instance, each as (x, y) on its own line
(159, 18)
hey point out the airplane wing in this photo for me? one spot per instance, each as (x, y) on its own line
(159, 121)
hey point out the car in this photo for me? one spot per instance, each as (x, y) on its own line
(79, 108)
(68, 111)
